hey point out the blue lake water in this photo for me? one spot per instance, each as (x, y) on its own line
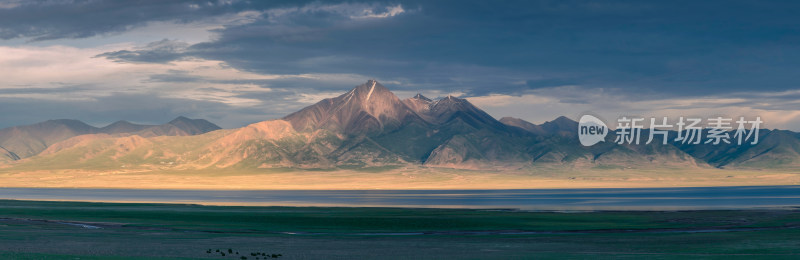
(535, 199)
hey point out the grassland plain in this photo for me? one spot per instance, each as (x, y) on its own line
(80, 230)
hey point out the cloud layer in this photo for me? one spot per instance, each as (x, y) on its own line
(237, 62)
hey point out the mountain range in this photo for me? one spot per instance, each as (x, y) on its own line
(20, 142)
(369, 126)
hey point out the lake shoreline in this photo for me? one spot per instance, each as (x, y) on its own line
(593, 199)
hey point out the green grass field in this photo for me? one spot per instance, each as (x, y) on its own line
(77, 230)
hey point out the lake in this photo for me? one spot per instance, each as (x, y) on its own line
(689, 198)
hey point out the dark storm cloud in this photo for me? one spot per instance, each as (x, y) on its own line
(675, 48)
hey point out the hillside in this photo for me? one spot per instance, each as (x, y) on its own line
(25, 141)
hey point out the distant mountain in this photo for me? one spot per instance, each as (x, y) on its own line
(29, 140)
(25, 141)
(180, 126)
(421, 105)
(368, 108)
(123, 126)
(559, 145)
(460, 135)
(375, 122)
(775, 149)
(369, 126)
(561, 126)
(527, 126)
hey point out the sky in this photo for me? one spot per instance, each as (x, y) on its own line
(239, 62)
